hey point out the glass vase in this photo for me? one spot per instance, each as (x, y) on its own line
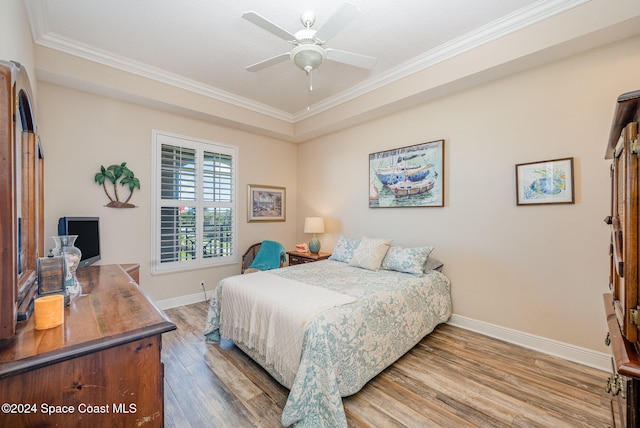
(72, 254)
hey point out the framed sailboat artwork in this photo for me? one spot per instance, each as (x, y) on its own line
(411, 176)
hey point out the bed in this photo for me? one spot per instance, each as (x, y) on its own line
(324, 329)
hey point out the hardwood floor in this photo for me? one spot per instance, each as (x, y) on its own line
(452, 378)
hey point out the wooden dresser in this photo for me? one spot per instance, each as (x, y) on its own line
(622, 303)
(102, 367)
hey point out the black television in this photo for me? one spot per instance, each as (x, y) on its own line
(88, 240)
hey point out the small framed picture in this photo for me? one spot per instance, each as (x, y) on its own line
(266, 203)
(51, 275)
(545, 182)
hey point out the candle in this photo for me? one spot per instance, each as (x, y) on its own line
(48, 311)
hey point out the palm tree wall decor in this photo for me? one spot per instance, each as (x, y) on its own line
(117, 174)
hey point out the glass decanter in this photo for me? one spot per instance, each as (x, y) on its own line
(72, 254)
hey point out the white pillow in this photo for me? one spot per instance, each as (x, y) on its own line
(369, 253)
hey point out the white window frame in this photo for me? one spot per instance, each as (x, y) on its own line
(200, 146)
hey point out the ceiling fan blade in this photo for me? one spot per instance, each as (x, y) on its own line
(269, 62)
(338, 21)
(269, 26)
(350, 58)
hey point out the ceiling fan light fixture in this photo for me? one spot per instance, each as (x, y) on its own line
(308, 53)
(308, 18)
(308, 57)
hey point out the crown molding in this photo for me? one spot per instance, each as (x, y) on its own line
(42, 37)
(36, 14)
(72, 47)
(543, 9)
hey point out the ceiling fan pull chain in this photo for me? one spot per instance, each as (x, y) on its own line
(309, 71)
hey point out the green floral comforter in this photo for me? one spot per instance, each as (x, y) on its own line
(346, 346)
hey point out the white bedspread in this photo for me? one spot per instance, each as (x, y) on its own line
(270, 313)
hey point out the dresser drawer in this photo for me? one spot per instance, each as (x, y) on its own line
(295, 260)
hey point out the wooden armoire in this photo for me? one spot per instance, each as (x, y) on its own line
(622, 302)
(21, 199)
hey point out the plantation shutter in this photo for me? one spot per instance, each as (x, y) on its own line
(195, 223)
(218, 198)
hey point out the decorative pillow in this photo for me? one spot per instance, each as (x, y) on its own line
(343, 252)
(409, 260)
(370, 253)
(433, 264)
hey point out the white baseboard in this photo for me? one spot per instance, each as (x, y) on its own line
(587, 357)
(189, 299)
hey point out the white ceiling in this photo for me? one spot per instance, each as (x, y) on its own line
(207, 43)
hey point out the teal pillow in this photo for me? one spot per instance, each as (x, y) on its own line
(408, 260)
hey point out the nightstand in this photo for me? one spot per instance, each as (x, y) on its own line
(297, 258)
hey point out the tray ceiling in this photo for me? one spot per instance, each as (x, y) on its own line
(206, 44)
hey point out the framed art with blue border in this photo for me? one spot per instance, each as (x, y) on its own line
(545, 182)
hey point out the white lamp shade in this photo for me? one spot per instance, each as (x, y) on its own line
(314, 225)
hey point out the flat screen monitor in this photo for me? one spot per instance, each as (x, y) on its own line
(88, 240)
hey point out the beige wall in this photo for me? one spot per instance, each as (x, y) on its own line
(81, 131)
(16, 43)
(535, 269)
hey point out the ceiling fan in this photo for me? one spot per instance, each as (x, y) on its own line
(308, 51)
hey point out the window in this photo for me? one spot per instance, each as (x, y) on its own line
(194, 221)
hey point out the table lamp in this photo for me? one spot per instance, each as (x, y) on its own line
(314, 225)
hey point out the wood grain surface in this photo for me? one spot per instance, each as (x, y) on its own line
(452, 378)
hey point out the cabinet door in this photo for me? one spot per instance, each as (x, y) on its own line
(19, 226)
(121, 386)
(624, 232)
